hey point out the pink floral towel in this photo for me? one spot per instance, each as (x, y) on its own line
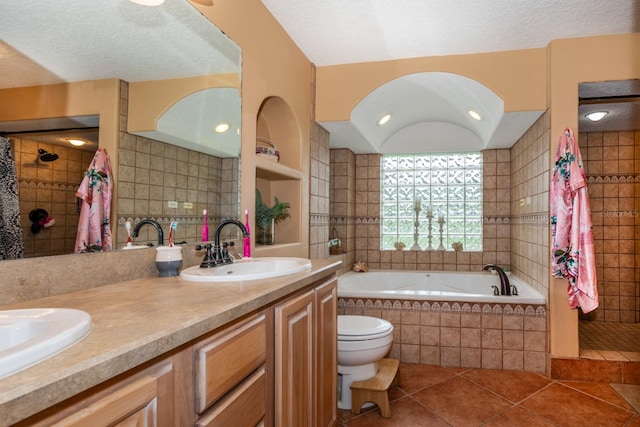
(94, 231)
(572, 252)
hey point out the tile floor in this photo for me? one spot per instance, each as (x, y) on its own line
(609, 341)
(439, 396)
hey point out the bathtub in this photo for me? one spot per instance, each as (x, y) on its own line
(467, 287)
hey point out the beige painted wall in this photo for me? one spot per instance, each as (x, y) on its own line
(518, 77)
(272, 65)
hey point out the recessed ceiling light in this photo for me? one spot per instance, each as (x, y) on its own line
(76, 142)
(148, 2)
(474, 114)
(384, 119)
(596, 116)
(222, 127)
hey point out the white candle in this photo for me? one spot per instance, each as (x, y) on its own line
(429, 211)
(440, 217)
(416, 204)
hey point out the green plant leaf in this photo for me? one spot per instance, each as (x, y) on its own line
(265, 214)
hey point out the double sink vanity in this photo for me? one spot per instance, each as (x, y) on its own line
(253, 342)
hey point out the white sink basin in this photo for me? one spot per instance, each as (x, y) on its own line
(247, 269)
(32, 335)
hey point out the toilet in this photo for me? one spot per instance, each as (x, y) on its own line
(362, 342)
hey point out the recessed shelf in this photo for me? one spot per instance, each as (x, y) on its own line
(273, 171)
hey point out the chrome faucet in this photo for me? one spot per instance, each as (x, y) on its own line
(505, 287)
(221, 254)
(154, 224)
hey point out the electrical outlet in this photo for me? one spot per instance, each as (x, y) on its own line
(172, 204)
(187, 205)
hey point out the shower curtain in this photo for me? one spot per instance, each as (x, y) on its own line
(94, 230)
(11, 243)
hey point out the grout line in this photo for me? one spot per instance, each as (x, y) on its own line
(568, 385)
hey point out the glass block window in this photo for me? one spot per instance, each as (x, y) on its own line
(448, 183)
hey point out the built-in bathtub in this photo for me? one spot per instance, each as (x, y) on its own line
(435, 286)
(452, 318)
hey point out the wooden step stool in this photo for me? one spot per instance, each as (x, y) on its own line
(376, 389)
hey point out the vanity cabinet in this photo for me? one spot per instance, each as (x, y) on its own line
(272, 367)
(306, 357)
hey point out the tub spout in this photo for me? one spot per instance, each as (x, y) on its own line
(505, 286)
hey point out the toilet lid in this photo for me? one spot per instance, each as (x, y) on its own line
(362, 327)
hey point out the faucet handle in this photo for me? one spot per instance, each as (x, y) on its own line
(496, 291)
(514, 290)
(207, 261)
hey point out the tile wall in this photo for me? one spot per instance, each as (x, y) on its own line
(50, 186)
(530, 206)
(513, 235)
(489, 336)
(152, 173)
(363, 172)
(343, 202)
(319, 192)
(612, 164)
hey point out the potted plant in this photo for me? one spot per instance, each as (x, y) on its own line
(267, 217)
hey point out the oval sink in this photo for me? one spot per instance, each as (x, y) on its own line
(247, 269)
(32, 335)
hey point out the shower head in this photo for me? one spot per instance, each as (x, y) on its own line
(46, 156)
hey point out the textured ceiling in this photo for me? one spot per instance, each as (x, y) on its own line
(333, 32)
(430, 108)
(64, 40)
(71, 41)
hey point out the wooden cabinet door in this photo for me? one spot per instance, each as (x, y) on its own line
(294, 361)
(326, 299)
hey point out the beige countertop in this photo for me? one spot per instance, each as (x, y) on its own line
(134, 322)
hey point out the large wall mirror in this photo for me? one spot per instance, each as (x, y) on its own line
(157, 87)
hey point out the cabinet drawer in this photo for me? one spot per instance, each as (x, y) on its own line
(227, 358)
(134, 404)
(243, 407)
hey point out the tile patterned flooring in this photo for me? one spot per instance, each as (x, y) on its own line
(439, 396)
(609, 341)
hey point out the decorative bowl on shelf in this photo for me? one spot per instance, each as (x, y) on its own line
(270, 153)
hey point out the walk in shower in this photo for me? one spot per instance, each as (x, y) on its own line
(610, 150)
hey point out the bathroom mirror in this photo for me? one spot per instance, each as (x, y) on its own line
(170, 74)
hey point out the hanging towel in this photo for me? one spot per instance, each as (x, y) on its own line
(11, 242)
(572, 252)
(94, 231)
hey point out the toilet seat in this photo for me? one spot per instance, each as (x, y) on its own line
(358, 328)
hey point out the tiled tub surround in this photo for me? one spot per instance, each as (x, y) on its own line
(513, 235)
(449, 333)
